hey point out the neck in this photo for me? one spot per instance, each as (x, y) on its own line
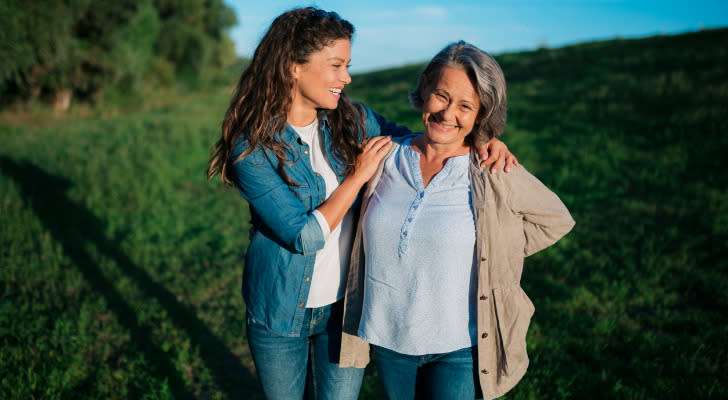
(438, 152)
(300, 115)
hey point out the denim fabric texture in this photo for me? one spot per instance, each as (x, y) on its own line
(432, 376)
(285, 234)
(290, 366)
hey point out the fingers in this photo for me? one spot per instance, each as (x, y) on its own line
(498, 159)
(487, 159)
(377, 141)
(510, 162)
(498, 165)
(377, 144)
(495, 159)
(373, 152)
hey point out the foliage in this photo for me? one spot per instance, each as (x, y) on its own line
(87, 47)
(121, 264)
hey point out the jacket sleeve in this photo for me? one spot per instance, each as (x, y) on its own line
(286, 217)
(377, 125)
(545, 217)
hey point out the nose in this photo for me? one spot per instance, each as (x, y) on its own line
(448, 112)
(345, 77)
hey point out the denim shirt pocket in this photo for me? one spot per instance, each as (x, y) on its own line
(303, 193)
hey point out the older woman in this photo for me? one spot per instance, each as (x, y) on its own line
(434, 280)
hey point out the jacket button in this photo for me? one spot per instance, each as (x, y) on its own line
(484, 371)
(305, 152)
(484, 335)
(483, 297)
(300, 304)
(308, 279)
(483, 258)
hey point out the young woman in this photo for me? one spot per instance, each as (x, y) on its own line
(299, 151)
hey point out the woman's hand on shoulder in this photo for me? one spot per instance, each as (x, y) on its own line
(496, 154)
(373, 151)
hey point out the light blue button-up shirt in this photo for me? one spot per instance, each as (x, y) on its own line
(280, 257)
(419, 243)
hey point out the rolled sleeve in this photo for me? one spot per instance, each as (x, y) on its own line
(323, 223)
(313, 236)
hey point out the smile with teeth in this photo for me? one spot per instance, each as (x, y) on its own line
(335, 91)
(441, 124)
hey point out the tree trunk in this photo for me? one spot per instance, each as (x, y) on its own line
(34, 86)
(63, 99)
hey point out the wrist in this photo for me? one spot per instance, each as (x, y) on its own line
(357, 179)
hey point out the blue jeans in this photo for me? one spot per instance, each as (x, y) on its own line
(432, 376)
(287, 366)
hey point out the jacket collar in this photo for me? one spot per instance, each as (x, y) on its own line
(289, 134)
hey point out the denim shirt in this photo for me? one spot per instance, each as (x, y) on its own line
(286, 236)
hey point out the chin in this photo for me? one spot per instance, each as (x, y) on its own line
(331, 106)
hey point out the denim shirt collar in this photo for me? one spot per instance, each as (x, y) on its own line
(289, 135)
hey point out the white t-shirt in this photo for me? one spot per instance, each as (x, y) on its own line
(329, 270)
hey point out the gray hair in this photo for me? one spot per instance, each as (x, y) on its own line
(487, 78)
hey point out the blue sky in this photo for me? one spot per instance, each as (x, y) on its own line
(393, 33)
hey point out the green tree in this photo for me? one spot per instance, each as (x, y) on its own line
(84, 48)
(193, 37)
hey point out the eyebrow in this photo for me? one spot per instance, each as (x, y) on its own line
(336, 59)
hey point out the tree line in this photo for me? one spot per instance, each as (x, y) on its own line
(86, 49)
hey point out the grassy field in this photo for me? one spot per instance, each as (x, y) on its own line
(121, 265)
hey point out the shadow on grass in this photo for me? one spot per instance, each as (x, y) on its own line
(74, 227)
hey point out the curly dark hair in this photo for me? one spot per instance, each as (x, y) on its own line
(260, 105)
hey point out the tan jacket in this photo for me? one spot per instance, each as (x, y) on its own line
(515, 216)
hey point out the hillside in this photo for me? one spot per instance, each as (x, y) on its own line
(121, 265)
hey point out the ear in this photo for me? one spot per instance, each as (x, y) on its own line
(295, 68)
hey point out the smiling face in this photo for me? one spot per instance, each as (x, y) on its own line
(450, 108)
(319, 82)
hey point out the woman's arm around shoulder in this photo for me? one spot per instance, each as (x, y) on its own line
(377, 125)
(494, 153)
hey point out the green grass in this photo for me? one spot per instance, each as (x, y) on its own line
(121, 265)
